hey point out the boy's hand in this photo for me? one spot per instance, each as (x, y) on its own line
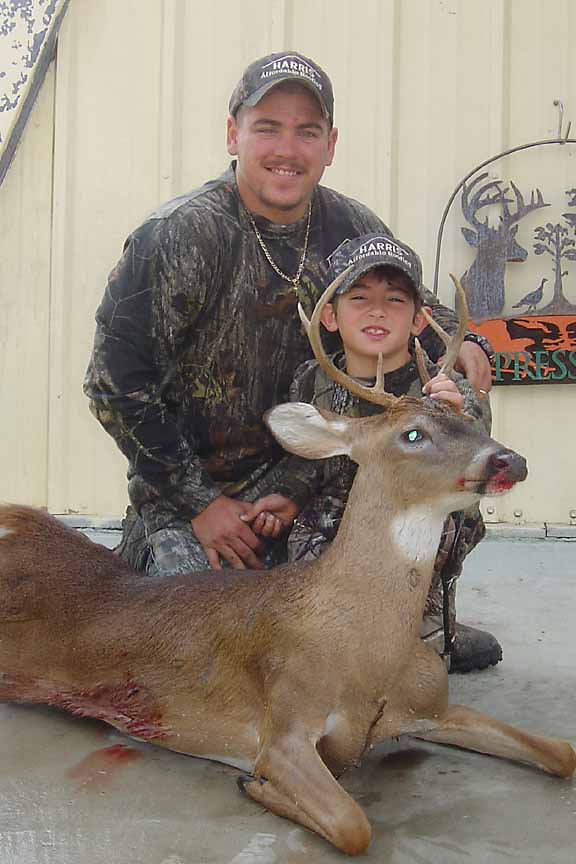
(272, 515)
(444, 389)
(224, 534)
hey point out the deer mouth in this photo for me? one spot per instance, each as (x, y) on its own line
(488, 486)
(503, 472)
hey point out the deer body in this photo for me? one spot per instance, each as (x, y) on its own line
(194, 663)
(290, 675)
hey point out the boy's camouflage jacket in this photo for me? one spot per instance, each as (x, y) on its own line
(197, 337)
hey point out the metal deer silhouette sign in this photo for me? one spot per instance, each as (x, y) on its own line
(533, 334)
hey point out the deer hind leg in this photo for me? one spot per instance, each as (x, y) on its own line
(466, 728)
(297, 785)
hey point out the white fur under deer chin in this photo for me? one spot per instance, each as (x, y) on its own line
(416, 532)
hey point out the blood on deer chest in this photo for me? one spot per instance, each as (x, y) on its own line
(127, 705)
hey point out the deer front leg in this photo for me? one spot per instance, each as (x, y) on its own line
(293, 782)
(464, 727)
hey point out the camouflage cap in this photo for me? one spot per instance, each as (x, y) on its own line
(374, 250)
(263, 74)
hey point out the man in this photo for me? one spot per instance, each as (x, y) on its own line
(198, 332)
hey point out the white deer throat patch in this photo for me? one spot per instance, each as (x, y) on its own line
(416, 533)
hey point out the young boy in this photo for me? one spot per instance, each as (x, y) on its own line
(378, 310)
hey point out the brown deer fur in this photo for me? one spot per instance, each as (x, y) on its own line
(290, 675)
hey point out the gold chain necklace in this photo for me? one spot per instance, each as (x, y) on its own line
(294, 280)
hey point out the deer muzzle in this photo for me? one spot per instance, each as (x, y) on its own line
(498, 472)
(504, 469)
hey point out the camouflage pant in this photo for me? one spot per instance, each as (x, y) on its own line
(160, 543)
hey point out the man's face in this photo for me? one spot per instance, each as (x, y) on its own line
(376, 316)
(283, 145)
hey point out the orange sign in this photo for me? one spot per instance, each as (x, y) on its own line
(532, 350)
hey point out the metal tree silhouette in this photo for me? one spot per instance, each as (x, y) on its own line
(554, 240)
(571, 217)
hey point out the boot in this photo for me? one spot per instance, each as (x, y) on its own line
(469, 648)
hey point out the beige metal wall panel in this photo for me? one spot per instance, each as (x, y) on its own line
(539, 422)
(425, 89)
(25, 211)
(106, 177)
(205, 50)
(357, 45)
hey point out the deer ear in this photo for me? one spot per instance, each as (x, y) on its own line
(310, 432)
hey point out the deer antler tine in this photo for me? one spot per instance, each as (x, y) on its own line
(452, 343)
(379, 384)
(312, 327)
(456, 342)
(304, 318)
(446, 338)
(421, 362)
(522, 209)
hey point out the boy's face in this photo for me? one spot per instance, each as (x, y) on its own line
(376, 316)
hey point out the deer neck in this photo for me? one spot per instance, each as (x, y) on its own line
(384, 553)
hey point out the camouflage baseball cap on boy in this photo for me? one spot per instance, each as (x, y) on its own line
(263, 74)
(374, 250)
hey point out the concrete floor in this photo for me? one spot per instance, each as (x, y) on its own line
(78, 792)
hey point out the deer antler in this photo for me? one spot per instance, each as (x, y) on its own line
(522, 208)
(421, 361)
(453, 343)
(481, 198)
(375, 394)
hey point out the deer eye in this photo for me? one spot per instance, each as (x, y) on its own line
(413, 435)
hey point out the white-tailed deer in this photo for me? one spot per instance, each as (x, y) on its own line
(291, 675)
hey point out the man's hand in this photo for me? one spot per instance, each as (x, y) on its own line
(272, 515)
(473, 363)
(222, 533)
(443, 388)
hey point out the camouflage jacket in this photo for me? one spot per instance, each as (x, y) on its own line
(197, 336)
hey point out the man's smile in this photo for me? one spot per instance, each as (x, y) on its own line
(284, 172)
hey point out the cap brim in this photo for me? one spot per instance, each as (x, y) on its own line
(258, 94)
(361, 267)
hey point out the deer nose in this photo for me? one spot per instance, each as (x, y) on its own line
(508, 464)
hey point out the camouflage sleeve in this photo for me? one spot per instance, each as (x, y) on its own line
(479, 410)
(294, 477)
(448, 320)
(125, 378)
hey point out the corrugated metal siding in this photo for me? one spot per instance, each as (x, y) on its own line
(25, 235)
(424, 89)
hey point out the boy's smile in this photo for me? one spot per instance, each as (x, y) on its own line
(376, 316)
